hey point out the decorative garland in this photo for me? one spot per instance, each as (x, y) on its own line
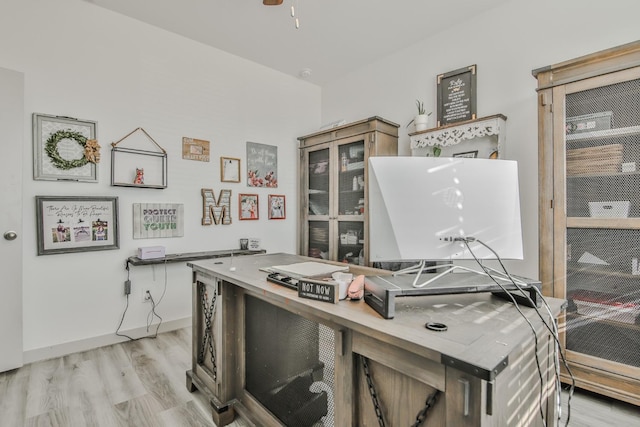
(51, 148)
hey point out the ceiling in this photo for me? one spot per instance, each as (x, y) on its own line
(334, 38)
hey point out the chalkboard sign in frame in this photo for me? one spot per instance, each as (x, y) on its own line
(457, 95)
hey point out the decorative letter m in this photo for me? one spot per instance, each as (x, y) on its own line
(213, 211)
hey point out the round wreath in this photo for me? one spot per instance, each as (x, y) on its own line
(51, 148)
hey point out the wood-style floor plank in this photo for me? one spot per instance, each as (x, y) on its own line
(13, 399)
(142, 384)
(118, 375)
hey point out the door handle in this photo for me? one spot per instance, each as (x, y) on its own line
(10, 235)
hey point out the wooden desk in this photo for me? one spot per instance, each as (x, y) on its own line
(257, 345)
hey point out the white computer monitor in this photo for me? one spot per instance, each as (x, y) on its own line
(418, 205)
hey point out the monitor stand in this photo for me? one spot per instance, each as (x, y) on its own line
(450, 268)
(381, 291)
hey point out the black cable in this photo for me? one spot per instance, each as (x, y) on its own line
(554, 335)
(552, 332)
(153, 310)
(517, 306)
(122, 320)
(164, 290)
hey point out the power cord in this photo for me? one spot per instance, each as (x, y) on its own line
(152, 313)
(553, 331)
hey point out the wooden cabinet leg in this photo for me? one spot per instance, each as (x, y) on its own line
(191, 387)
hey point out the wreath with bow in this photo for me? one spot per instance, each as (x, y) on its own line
(90, 147)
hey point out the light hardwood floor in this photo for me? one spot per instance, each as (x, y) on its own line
(142, 383)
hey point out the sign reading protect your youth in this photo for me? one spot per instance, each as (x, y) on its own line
(151, 220)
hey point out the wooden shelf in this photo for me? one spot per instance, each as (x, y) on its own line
(190, 256)
(603, 175)
(601, 272)
(603, 134)
(574, 315)
(613, 223)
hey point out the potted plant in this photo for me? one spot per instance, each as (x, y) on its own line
(422, 119)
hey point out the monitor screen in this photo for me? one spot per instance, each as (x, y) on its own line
(417, 205)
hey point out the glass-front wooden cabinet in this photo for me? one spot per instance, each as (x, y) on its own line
(333, 220)
(589, 216)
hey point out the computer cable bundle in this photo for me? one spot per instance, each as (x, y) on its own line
(552, 330)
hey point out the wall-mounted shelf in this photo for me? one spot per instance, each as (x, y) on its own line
(133, 167)
(190, 256)
(457, 138)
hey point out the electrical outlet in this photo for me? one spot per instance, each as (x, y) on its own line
(146, 295)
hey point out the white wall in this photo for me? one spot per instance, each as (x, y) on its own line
(506, 43)
(82, 61)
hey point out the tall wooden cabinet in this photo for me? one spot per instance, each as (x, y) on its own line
(589, 213)
(333, 220)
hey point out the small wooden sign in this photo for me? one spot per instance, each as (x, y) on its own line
(318, 290)
(195, 149)
(457, 96)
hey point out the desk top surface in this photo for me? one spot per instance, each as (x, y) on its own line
(482, 329)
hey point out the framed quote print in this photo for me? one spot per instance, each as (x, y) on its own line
(76, 224)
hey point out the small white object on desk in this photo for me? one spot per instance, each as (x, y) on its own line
(344, 280)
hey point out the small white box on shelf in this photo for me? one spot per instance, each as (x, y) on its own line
(151, 252)
(609, 209)
(629, 167)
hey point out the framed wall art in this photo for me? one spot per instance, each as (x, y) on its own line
(248, 206)
(277, 206)
(229, 169)
(195, 149)
(457, 95)
(64, 149)
(467, 154)
(262, 165)
(76, 224)
(152, 220)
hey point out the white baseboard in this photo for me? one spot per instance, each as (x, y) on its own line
(59, 350)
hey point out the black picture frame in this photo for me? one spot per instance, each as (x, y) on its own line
(457, 96)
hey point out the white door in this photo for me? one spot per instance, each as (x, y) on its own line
(11, 147)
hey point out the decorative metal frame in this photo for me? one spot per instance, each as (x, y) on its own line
(118, 151)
